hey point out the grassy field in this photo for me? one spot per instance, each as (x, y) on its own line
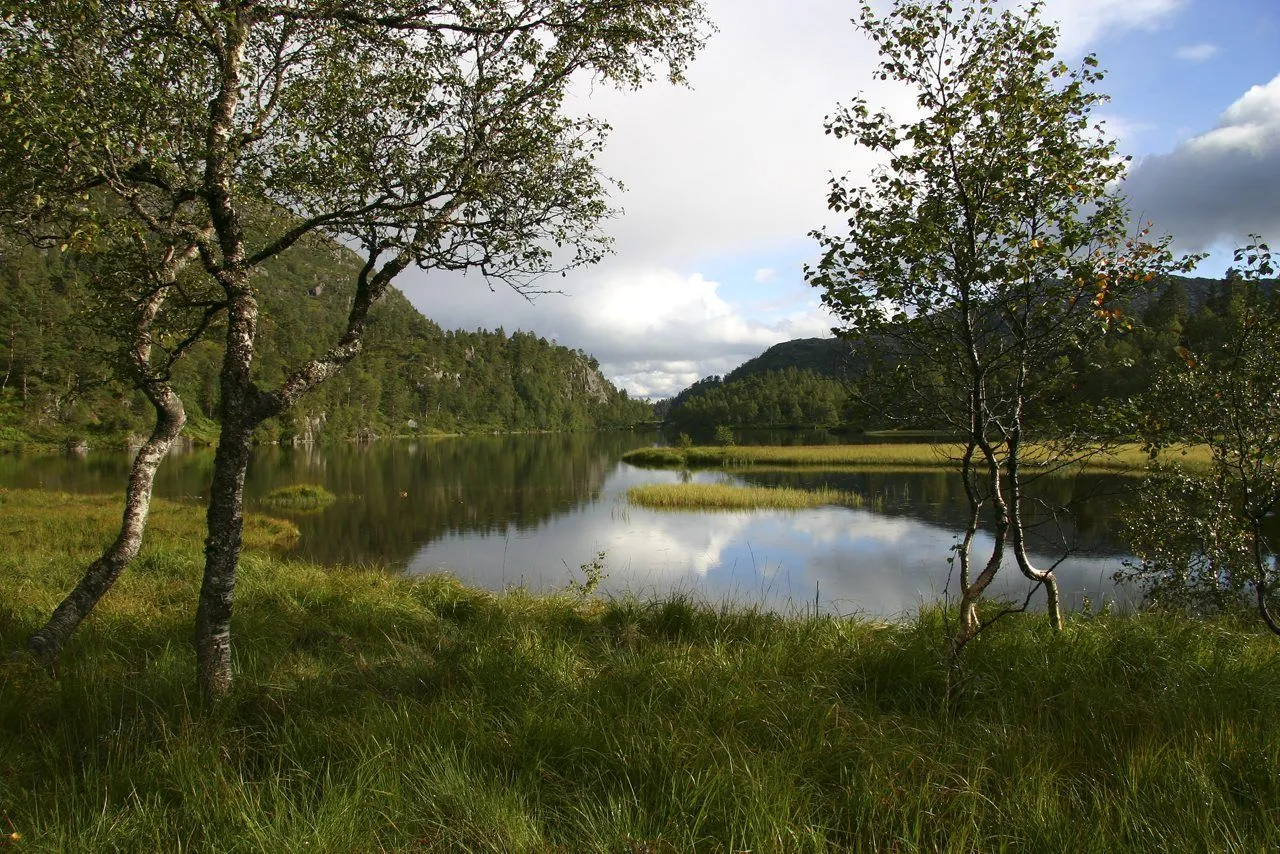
(885, 456)
(374, 712)
(723, 496)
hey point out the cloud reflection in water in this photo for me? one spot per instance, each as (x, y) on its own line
(852, 561)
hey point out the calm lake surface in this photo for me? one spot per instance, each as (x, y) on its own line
(497, 511)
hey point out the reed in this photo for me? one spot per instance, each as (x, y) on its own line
(1130, 458)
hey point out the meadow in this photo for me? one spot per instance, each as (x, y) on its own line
(378, 712)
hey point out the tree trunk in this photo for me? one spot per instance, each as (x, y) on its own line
(1053, 605)
(48, 642)
(241, 412)
(9, 367)
(972, 591)
(244, 406)
(968, 592)
(222, 557)
(226, 494)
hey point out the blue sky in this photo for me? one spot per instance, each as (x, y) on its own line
(726, 178)
(1173, 80)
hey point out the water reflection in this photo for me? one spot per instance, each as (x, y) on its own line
(846, 561)
(1091, 502)
(503, 510)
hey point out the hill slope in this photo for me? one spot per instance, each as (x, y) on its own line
(59, 376)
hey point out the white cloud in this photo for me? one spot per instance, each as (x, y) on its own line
(1220, 186)
(654, 330)
(736, 166)
(1085, 22)
(738, 159)
(1197, 52)
(1125, 131)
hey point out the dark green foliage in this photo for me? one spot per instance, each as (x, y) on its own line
(59, 378)
(789, 397)
(54, 382)
(1207, 539)
(814, 375)
(828, 357)
(800, 383)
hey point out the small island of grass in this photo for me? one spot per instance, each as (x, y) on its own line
(723, 496)
(300, 496)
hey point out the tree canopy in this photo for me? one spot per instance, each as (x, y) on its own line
(419, 134)
(990, 246)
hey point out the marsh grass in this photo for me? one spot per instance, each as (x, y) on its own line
(723, 496)
(374, 712)
(299, 497)
(705, 456)
(1130, 459)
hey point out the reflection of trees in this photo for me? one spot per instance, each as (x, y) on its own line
(486, 483)
(396, 497)
(1080, 511)
(183, 475)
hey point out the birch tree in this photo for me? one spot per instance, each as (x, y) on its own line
(990, 245)
(144, 296)
(420, 134)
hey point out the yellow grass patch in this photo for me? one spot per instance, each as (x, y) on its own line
(720, 496)
(895, 456)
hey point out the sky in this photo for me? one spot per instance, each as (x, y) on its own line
(725, 178)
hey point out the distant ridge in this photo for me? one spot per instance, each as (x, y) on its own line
(828, 357)
(806, 382)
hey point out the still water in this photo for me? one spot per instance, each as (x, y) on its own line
(497, 511)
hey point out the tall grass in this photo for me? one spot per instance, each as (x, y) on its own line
(374, 712)
(723, 496)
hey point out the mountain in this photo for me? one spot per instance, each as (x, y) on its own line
(809, 382)
(60, 377)
(799, 383)
(828, 357)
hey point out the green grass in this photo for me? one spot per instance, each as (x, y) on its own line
(374, 712)
(301, 496)
(721, 496)
(885, 456)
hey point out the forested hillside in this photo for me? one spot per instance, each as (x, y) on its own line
(60, 377)
(829, 382)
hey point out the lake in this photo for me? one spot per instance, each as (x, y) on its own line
(497, 511)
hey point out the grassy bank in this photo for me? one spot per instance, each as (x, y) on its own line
(723, 496)
(378, 713)
(885, 456)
